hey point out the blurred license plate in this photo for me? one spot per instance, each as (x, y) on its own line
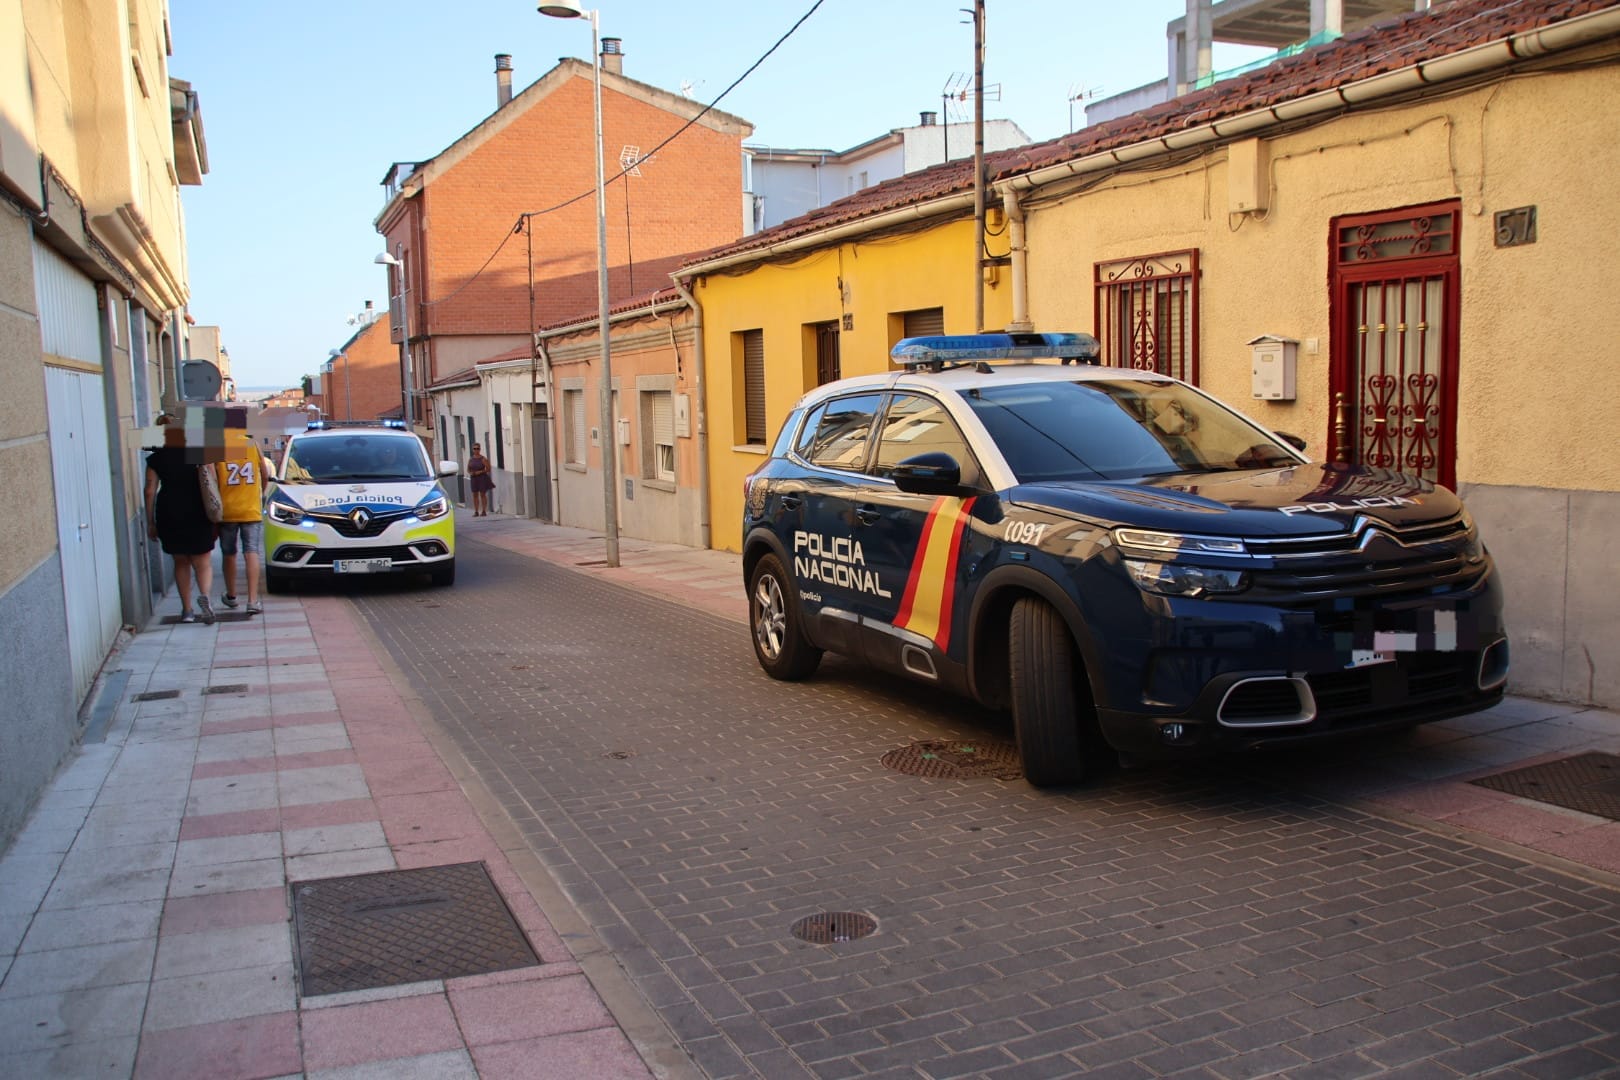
(362, 566)
(1368, 657)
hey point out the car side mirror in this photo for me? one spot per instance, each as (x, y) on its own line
(1292, 440)
(448, 468)
(933, 473)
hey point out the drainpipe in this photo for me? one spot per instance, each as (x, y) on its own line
(1020, 262)
(702, 418)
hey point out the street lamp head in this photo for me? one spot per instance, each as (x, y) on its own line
(385, 259)
(562, 9)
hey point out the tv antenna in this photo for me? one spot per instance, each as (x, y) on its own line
(1080, 92)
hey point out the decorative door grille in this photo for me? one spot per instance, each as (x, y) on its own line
(1147, 313)
(1395, 330)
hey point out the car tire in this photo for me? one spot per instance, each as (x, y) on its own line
(443, 574)
(773, 613)
(277, 583)
(1051, 705)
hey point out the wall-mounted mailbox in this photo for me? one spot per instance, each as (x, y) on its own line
(1274, 359)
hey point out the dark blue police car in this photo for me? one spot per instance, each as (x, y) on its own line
(1123, 561)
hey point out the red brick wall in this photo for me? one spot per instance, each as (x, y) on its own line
(686, 199)
(368, 380)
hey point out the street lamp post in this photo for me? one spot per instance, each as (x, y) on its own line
(348, 398)
(570, 9)
(385, 259)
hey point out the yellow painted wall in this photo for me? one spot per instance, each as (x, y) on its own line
(1537, 321)
(869, 281)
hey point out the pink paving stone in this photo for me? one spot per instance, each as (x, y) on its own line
(301, 685)
(420, 819)
(373, 709)
(207, 770)
(257, 1046)
(443, 852)
(314, 759)
(1438, 800)
(526, 1010)
(295, 719)
(377, 746)
(604, 1054)
(223, 911)
(1598, 846)
(231, 727)
(407, 775)
(235, 823)
(342, 812)
(378, 1031)
(1519, 823)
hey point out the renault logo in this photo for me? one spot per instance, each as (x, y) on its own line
(360, 517)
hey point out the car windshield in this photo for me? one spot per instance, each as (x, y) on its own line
(1118, 429)
(356, 457)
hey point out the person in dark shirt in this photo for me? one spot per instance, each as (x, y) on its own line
(176, 519)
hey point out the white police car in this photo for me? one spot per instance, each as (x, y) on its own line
(1124, 562)
(357, 499)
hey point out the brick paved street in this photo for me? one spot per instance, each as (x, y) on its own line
(1191, 923)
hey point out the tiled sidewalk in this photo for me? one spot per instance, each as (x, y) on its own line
(144, 915)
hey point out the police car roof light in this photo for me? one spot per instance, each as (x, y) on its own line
(936, 351)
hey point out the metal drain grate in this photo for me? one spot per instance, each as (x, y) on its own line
(955, 760)
(832, 927)
(403, 926)
(1589, 783)
(227, 688)
(156, 695)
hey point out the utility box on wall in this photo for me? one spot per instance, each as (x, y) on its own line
(1274, 359)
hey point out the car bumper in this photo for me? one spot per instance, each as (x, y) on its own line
(1226, 676)
(317, 550)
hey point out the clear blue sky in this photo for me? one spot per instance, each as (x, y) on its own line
(306, 104)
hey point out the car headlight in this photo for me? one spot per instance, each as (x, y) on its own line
(285, 513)
(1171, 544)
(436, 507)
(1181, 579)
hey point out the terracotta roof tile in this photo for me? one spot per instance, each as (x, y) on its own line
(1386, 46)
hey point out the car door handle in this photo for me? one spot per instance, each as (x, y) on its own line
(791, 502)
(869, 515)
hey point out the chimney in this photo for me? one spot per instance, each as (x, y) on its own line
(503, 79)
(612, 55)
(370, 313)
(929, 119)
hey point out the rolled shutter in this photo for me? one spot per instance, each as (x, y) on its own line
(754, 385)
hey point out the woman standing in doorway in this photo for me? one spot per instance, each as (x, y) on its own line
(482, 482)
(176, 519)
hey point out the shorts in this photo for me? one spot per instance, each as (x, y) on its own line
(251, 534)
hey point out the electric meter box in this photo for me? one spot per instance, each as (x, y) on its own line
(1274, 361)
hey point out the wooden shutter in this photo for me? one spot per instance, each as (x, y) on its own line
(754, 386)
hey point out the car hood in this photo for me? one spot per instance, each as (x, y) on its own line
(376, 496)
(1303, 500)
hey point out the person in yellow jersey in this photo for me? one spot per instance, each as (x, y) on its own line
(241, 526)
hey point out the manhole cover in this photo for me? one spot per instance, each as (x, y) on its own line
(227, 688)
(1589, 783)
(403, 926)
(156, 695)
(957, 760)
(832, 927)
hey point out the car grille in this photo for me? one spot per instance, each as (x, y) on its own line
(1368, 693)
(1374, 559)
(324, 556)
(376, 526)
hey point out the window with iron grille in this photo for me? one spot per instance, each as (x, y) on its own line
(657, 414)
(749, 352)
(1147, 313)
(575, 436)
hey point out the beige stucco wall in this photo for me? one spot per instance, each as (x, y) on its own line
(1536, 320)
(26, 494)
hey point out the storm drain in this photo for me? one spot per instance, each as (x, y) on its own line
(403, 926)
(156, 695)
(227, 688)
(956, 760)
(832, 927)
(1589, 783)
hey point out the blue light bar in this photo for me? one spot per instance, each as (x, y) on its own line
(965, 348)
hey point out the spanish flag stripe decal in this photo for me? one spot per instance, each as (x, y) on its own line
(931, 585)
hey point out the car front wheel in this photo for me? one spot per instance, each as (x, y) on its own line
(1051, 703)
(773, 612)
(277, 583)
(443, 574)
